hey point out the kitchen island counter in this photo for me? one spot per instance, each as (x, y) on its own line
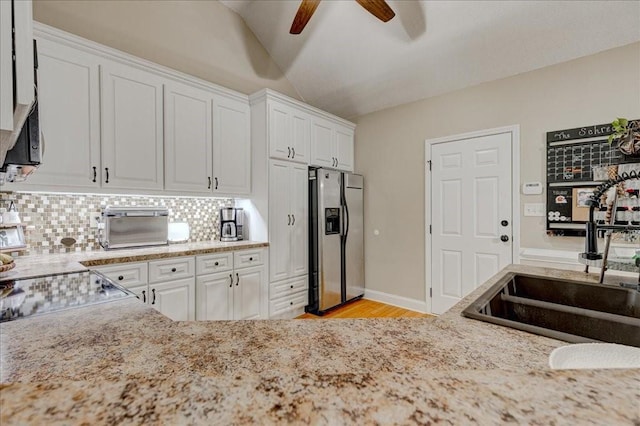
(124, 362)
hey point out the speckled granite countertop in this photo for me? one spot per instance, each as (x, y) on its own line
(123, 362)
(47, 264)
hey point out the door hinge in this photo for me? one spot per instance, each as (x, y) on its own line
(429, 161)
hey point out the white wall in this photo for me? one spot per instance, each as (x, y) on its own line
(390, 151)
(201, 38)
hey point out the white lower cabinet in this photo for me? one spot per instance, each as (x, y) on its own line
(238, 293)
(288, 298)
(168, 288)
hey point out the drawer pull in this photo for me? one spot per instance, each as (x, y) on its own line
(291, 286)
(251, 259)
(120, 278)
(153, 291)
(216, 264)
(291, 303)
(173, 269)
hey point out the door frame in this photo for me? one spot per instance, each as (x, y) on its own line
(515, 191)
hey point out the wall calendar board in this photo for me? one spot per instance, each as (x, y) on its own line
(576, 161)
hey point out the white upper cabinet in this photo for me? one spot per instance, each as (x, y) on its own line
(132, 127)
(289, 132)
(344, 148)
(231, 146)
(323, 150)
(69, 114)
(16, 77)
(331, 145)
(187, 138)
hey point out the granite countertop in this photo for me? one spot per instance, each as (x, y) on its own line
(123, 362)
(48, 264)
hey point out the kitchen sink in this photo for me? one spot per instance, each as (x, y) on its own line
(567, 310)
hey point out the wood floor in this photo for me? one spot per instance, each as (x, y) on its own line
(367, 309)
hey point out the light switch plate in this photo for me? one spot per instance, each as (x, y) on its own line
(534, 209)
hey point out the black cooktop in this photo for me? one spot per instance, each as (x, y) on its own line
(32, 296)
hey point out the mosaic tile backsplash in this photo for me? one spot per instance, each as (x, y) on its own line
(47, 218)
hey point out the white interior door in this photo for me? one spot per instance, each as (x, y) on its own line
(471, 208)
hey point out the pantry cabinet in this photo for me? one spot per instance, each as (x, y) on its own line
(288, 221)
(132, 127)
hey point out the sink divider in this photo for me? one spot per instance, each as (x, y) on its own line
(571, 309)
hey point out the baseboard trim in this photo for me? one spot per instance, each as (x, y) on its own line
(399, 301)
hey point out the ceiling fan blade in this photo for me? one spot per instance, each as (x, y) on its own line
(378, 8)
(305, 11)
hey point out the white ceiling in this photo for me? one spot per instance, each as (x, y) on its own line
(349, 63)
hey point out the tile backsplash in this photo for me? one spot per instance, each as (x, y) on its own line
(47, 218)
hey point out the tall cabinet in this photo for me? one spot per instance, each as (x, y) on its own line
(288, 137)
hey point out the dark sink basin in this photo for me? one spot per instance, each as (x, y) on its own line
(561, 309)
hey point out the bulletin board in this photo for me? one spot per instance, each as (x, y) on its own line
(576, 163)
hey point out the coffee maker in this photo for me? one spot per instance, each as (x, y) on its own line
(231, 224)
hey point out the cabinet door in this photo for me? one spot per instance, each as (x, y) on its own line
(6, 71)
(322, 143)
(175, 299)
(69, 113)
(301, 136)
(187, 139)
(344, 148)
(279, 220)
(132, 128)
(279, 122)
(248, 292)
(231, 146)
(299, 229)
(214, 297)
(141, 292)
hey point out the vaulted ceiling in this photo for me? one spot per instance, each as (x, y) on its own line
(349, 63)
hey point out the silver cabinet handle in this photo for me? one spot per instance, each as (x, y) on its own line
(237, 279)
(293, 222)
(289, 155)
(230, 280)
(289, 219)
(153, 291)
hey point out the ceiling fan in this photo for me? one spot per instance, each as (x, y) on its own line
(378, 8)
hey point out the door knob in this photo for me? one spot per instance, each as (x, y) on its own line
(504, 238)
(504, 223)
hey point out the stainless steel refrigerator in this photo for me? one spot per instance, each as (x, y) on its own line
(336, 239)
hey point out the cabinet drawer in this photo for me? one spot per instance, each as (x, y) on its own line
(171, 269)
(212, 263)
(285, 304)
(128, 274)
(285, 288)
(245, 258)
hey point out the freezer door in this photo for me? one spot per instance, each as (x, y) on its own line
(354, 235)
(329, 239)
